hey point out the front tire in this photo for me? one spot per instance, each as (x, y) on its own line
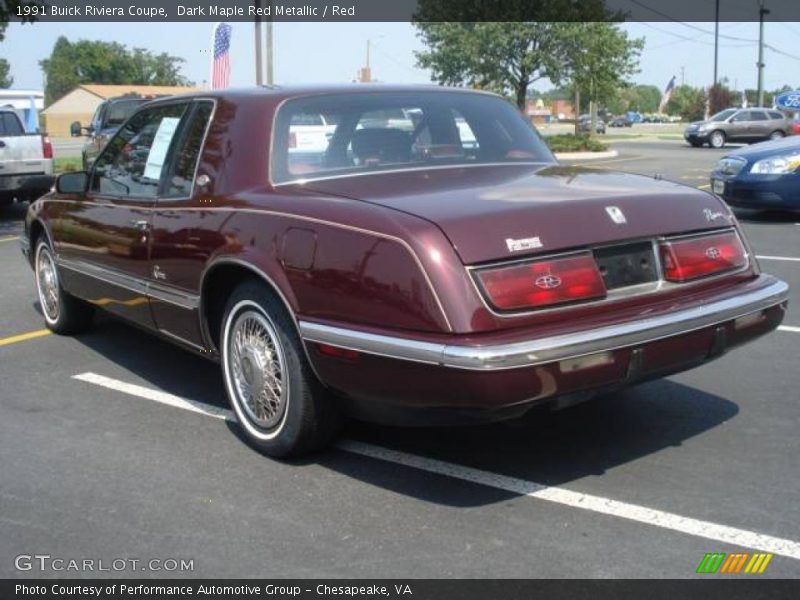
(283, 409)
(63, 313)
(716, 139)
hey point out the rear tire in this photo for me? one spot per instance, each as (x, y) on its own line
(776, 135)
(716, 139)
(63, 313)
(283, 409)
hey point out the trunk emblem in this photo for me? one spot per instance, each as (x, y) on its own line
(616, 215)
(713, 253)
(548, 282)
(712, 215)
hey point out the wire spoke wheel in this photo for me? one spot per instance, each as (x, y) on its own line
(257, 366)
(47, 284)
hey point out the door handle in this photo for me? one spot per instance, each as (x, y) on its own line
(141, 225)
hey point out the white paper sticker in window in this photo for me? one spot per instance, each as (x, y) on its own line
(158, 151)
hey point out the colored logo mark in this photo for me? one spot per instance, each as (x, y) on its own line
(734, 563)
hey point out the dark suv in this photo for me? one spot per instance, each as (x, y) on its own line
(107, 119)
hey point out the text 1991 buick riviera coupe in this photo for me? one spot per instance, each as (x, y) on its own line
(426, 256)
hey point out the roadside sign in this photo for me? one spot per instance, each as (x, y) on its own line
(788, 100)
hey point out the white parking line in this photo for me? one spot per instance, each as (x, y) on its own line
(597, 504)
(786, 258)
(789, 328)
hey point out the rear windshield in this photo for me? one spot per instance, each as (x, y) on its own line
(119, 111)
(343, 134)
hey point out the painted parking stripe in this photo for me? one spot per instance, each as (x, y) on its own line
(9, 239)
(789, 328)
(24, 337)
(557, 495)
(785, 258)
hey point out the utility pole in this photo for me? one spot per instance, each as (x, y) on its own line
(716, 41)
(259, 59)
(762, 12)
(683, 75)
(270, 53)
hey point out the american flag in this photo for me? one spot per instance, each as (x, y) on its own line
(221, 66)
(662, 106)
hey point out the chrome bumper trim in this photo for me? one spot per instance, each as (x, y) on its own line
(545, 350)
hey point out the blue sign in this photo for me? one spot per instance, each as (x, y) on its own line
(788, 100)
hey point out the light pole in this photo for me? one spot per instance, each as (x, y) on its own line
(762, 12)
(259, 60)
(716, 41)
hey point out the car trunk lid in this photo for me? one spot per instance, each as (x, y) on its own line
(510, 211)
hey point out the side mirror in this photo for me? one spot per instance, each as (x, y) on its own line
(74, 182)
(75, 129)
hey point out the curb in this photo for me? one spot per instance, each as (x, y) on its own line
(586, 155)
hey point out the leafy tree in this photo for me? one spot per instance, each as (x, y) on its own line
(505, 55)
(8, 9)
(6, 81)
(597, 59)
(73, 63)
(720, 97)
(688, 102)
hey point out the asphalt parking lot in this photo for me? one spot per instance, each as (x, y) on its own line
(112, 447)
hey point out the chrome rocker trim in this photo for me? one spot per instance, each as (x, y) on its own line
(560, 347)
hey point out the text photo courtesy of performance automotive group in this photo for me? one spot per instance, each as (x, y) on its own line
(407, 307)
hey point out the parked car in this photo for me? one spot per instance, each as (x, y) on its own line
(764, 176)
(585, 124)
(26, 160)
(107, 119)
(795, 122)
(404, 280)
(621, 122)
(738, 125)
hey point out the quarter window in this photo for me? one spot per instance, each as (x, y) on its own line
(188, 151)
(132, 163)
(775, 115)
(9, 124)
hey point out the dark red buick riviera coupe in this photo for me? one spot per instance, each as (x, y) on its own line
(408, 254)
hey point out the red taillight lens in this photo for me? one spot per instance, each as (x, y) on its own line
(292, 139)
(692, 258)
(47, 147)
(543, 283)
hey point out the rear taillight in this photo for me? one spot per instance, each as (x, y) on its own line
(47, 147)
(543, 283)
(692, 258)
(292, 139)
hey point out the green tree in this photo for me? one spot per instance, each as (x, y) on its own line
(505, 55)
(720, 97)
(73, 63)
(597, 59)
(6, 81)
(688, 102)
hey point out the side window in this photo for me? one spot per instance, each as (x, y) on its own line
(97, 119)
(187, 151)
(131, 164)
(11, 124)
(775, 115)
(758, 115)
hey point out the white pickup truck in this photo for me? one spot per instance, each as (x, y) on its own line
(26, 161)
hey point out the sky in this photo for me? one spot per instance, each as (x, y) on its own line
(333, 52)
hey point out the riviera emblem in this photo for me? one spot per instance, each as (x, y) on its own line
(712, 215)
(616, 215)
(548, 282)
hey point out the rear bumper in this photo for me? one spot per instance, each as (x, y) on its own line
(765, 293)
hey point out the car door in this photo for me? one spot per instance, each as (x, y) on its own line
(738, 130)
(185, 232)
(104, 238)
(759, 125)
